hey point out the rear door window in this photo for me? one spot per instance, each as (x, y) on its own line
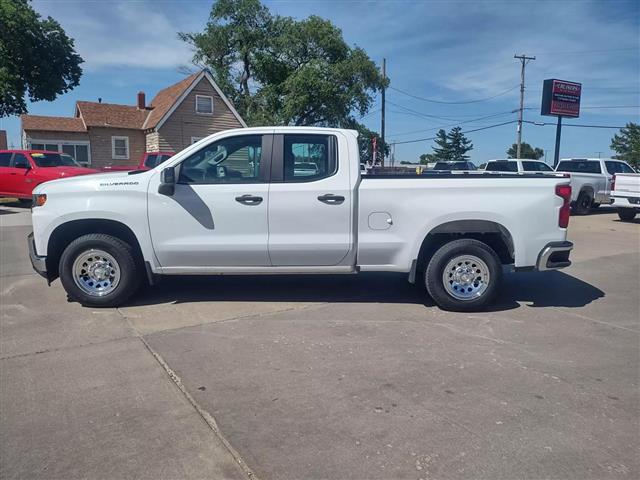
(5, 159)
(502, 166)
(536, 167)
(309, 157)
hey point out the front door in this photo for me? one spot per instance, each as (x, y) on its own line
(22, 179)
(310, 201)
(217, 216)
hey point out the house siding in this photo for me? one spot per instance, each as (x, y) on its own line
(184, 123)
(101, 155)
(61, 136)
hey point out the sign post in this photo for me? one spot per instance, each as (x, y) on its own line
(560, 99)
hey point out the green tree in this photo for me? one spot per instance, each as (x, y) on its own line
(283, 71)
(627, 144)
(526, 151)
(365, 143)
(459, 145)
(37, 58)
(451, 146)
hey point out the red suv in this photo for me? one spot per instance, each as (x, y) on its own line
(22, 170)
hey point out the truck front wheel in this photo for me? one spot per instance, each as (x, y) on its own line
(99, 270)
(463, 275)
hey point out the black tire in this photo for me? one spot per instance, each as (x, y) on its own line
(626, 214)
(122, 252)
(435, 269)
(583, 204)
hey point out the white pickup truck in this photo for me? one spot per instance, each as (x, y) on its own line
(245, 202)
(591, 180)
(626, 195)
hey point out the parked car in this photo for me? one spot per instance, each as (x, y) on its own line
(449, 166)
(626, 195)
(147, 161)
(22, 170)
(591, 180)
(208, 210)
(522, 165)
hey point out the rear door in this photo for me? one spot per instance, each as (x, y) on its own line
(217, 216)
(310, 201)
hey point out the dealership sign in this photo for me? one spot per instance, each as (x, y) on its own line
(561, 98)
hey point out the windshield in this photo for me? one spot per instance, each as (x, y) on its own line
(54, 160)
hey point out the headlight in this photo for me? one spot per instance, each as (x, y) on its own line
(39, 199)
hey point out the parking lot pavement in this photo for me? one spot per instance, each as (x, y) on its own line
(330, 377)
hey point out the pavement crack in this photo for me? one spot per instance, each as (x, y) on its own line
(204, 414)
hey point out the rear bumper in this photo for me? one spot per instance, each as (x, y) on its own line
(627, 202)
(38, 263)
(554, 255)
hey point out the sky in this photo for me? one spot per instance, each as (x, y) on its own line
(447, 51)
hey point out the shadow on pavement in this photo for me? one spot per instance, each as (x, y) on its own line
(541, 289)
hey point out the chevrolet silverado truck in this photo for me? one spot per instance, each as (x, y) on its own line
(238, 202)
(625, 191)
(591, 180)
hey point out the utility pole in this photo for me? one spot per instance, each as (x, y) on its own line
(384, 88)
(523, 61)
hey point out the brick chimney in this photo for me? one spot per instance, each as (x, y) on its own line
(141, 101)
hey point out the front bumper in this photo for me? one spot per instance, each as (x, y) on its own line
(38, 263)
(554, 255)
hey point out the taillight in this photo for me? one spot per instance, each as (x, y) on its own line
(564, 192)
(613, 183)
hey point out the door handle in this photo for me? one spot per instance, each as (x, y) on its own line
(331, 199)
(249, 200)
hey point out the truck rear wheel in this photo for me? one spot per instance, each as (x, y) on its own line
(99, 270)
(463, 275)
(583, 204)
(626, 214)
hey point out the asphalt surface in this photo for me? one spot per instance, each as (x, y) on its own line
(326, 377)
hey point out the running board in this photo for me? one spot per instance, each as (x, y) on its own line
(256, 270)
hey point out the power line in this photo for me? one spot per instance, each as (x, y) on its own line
(544, 124)
(431, 100)
(582, 52)
(465, 132)
(457, 123)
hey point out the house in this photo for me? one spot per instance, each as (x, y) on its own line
(101, 134)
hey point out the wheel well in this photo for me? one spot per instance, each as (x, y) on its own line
(588, 190)
(491, 233)
(68, 232)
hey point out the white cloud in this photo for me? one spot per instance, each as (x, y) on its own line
(135, 34)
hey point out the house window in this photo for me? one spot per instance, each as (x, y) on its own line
(79, 150)
(120, 148)
(204, 105)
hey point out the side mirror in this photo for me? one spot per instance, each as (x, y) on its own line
(167, 181)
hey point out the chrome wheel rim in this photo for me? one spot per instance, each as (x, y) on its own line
(466, 277)
(96, 272)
